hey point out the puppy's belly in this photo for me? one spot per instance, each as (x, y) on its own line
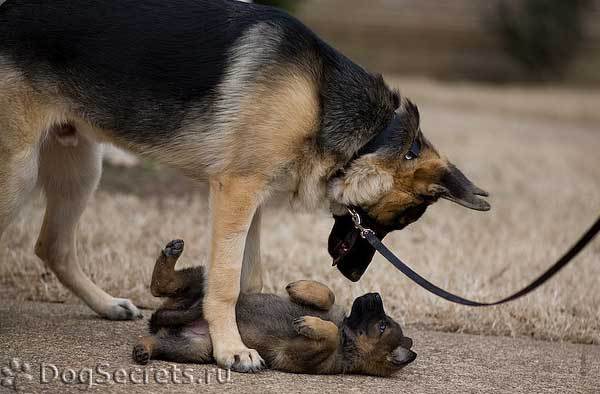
(199, 328)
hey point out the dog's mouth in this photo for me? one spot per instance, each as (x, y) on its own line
(351, 253)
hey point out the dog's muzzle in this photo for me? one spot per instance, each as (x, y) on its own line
(351, 253)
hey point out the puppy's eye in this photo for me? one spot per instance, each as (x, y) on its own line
(382, 327)
(414, 151)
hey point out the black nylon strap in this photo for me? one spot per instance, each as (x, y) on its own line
(418, 279)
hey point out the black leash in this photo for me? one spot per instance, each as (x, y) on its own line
(370, 236)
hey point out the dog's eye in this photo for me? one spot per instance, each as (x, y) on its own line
(415, 150)
(382, 327)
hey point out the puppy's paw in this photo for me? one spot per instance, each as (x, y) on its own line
(240, 360)
(308, 326)
(311, 293)
(174, 248)
(140, 354)
(316, 328)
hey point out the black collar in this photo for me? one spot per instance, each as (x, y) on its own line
(384, 138)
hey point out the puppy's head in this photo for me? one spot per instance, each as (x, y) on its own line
(392, 180)
(373, 342)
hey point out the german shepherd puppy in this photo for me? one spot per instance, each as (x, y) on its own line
(306, 333)
(243, 96)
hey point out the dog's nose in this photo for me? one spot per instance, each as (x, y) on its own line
(406, 342)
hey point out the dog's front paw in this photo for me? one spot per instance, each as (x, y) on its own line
(239, 360)
(121, 309)
(174, 248)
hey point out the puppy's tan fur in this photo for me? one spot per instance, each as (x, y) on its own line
(306, 333)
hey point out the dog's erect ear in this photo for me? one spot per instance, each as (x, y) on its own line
(362, 183)
(456, 187)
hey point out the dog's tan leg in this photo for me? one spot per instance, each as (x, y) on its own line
(251, 281)
(18, 176)
(311, 293)
(69, 175)
(233, 200)
(19, 144)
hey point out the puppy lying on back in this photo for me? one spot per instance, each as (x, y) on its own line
(305, 333)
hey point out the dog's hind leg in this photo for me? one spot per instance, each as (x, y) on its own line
(19, 145)
(69, 173)
(18, 176)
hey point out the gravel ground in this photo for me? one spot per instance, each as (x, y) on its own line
(69, 338)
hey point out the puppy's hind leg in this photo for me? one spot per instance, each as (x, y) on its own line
(69, 175)
(143, 350)
(311, 293)
(179, 348)
(168, 282)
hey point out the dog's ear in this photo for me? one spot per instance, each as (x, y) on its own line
(362, 183)
(455, 186)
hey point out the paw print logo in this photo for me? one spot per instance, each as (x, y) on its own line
(15, 374)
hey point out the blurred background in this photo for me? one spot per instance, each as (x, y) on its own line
(491, 41)
(509, 90)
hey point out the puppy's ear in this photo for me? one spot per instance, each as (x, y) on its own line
(363, 183)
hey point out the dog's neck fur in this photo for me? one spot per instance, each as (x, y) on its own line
(354, 107)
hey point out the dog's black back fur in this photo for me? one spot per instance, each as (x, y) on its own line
(120, 58)
(137, 67)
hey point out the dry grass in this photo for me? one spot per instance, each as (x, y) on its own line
(539, 160)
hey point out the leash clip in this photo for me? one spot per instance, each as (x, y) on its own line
(364, 231)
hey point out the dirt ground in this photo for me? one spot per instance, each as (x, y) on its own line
(536, 150)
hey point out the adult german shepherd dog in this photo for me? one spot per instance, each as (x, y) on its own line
(242, 96)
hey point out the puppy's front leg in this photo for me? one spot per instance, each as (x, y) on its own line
(233, 200)
(318, 329)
